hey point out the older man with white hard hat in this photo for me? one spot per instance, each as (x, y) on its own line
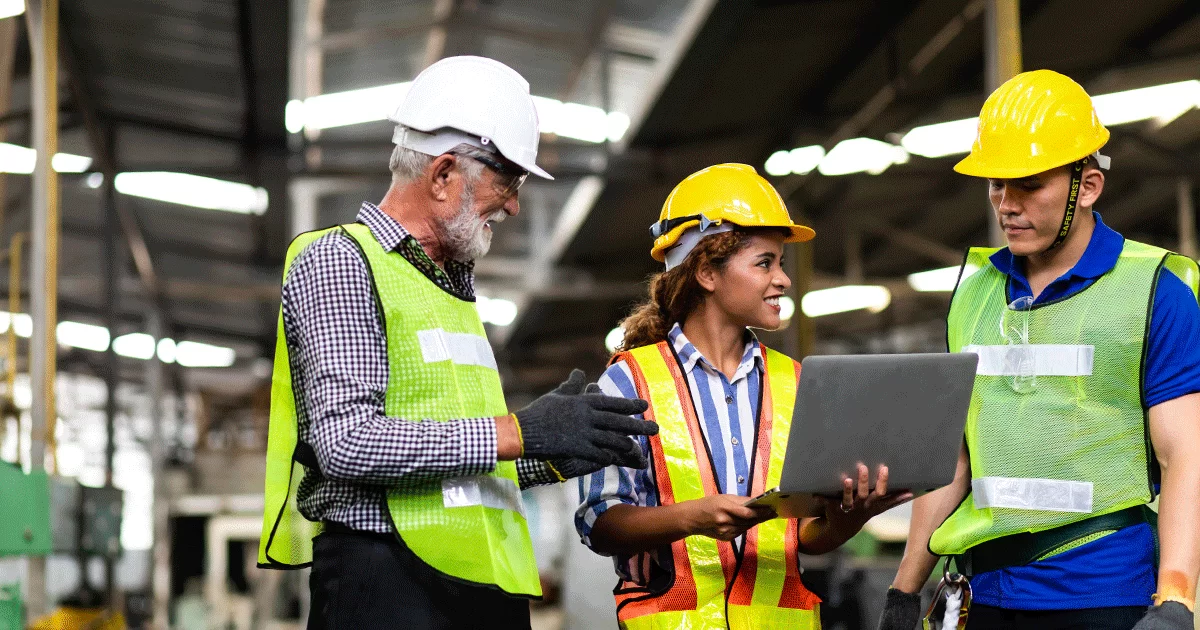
(388, 422)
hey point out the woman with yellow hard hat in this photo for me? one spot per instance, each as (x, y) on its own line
(688, 551)
(1086, 402)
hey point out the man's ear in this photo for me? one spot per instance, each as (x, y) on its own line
(1090, 187)
(706, 277)
(440, 175)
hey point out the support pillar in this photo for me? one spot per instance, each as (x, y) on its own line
(1002, 61)
(42, 19)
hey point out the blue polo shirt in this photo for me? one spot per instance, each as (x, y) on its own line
(1118, 569)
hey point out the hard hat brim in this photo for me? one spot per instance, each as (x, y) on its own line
(796, 234)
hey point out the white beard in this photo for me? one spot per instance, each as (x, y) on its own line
(466, 235)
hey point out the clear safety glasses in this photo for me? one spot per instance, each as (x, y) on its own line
(1019, 360)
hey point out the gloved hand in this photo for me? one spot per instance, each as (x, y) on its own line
(569, 467)
(566, 425)
(902, 611)
(1167, 616)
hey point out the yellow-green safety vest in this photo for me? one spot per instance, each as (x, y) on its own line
(440, 367)
(1074, 442)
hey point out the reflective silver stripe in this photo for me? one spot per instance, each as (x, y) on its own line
(486, 490)
(461, 348)
(1050, 495)
(1048, 359)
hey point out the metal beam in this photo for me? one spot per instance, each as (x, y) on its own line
(589, 43)
(886, 95)
(912, 241)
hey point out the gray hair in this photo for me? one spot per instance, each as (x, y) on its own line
(406, 164)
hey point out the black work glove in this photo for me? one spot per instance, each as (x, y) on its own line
(569, 468)
(902, 610)
(565, 425)
(1167, 616)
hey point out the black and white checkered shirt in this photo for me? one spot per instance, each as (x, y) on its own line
(339, 366)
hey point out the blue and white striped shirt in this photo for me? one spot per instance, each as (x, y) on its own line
(728, 414)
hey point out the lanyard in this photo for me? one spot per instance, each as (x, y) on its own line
(955, 591)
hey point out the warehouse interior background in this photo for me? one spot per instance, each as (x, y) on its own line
(191, 139)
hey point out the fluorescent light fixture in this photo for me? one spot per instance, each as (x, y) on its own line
(779, 164)
(1162, 102)
(21, 321)
(799, 161)
(338, 109)
(193, 190)
(293, 116)
(21, 160)
(805, 159)
(79, 335)
(194, 354)
(941, 139)
(614, 338)
(166, 350)
(497, 311)
(95, 180)
(787, 308)
(9, 8)
(134, 346)
(943, 279)
(352, 107)
(846, 298)
(858, 155)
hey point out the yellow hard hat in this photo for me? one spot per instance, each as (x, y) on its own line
(733, 193)
(1036, 121)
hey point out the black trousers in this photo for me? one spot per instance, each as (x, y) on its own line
(363, 581)
(991, 618)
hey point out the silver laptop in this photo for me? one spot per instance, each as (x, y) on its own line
(904, 410)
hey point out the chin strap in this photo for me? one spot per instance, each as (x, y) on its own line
(1072, 202)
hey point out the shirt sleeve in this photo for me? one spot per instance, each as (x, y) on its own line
(533, 472)
(615, 484)
(339, 363)
(1173, 342)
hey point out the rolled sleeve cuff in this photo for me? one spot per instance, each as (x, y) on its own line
(588, 519)
(478, 446)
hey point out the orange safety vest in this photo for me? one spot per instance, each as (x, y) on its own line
(712, 587)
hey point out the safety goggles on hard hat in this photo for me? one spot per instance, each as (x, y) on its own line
(508, 178)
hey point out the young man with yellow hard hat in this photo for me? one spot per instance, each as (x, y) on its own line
(689, 553)
(1086, 402)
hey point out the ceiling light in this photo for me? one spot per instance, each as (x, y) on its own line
(166, 350)
(338, 109)
(193, 190)
(79, 335)
(614, 338)
(941, 139)
(21, 160)
(1162, 102)
(95, 180)
(787, 308)
(779, 164)
(496, 311)
(23, 323)
(944, 279)
(845, 298)
(194, 354)
(858, 155)
(352, 107)
(134, 346)
(9, 8)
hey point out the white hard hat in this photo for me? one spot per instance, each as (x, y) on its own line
(474, 100)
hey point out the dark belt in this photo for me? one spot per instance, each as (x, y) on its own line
(1021, 549)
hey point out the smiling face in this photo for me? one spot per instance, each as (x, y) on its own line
(747, 289)
(1030, 209)
(483, 202)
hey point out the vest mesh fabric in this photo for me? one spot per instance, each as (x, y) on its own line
(1069, 428)
(440, 368)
